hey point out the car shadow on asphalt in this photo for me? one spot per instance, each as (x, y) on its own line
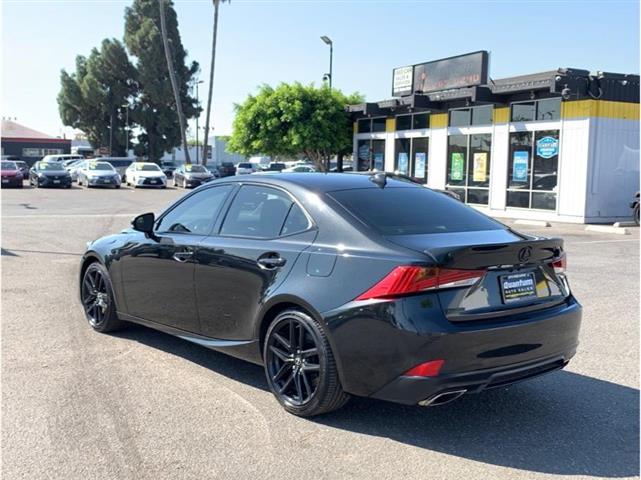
(562, 423)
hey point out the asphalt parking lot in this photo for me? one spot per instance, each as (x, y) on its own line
(143, 404)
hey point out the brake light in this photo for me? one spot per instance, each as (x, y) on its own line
(560, 265)
(427, 369)
(407, 279)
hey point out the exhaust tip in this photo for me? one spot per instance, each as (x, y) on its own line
(442, 398)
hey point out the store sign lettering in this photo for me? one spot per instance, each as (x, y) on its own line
(520, 163)
(403, 81)
(547, 147)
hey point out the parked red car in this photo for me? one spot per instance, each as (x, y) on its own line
(11, 174)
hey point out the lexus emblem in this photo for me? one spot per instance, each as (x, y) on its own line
(524, 254)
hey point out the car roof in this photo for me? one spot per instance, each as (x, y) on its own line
(319, 181)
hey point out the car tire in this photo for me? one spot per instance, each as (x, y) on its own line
(636, 214)
(96, 295)
(117, 186)
(305, 384)
(37, 183)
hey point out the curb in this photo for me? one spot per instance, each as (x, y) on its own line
(607, 229)
(534, 223)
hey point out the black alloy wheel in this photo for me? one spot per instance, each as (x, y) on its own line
(97, 299)
(300, 367)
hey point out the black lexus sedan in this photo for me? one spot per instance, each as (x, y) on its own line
(341, 285)
(49, 174)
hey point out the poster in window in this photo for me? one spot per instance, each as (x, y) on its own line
(520, 162)
(547, 147)
(457, 166)
(402, 162)
(480, 167)
(420, 159)
(378, 161)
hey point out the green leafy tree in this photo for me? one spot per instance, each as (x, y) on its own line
(155, 109)
(91, 98)
(294, 119)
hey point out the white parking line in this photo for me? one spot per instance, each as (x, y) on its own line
(606, 241)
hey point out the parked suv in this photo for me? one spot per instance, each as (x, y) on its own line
(227, 169)
(245, 168)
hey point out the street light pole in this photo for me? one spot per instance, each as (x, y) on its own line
(197, 103)
(329, 42)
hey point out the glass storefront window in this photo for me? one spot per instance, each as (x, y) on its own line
(364, 155)
(378, 124)
(419, 158)
(545, 109)
(364, 125)
(548, 109)
(378, 155)
(420, 121)
(460, 118)
(482, 115)
(468, 167)
(456, 159)
(523, 112)
(404, 122)
(533, 169)
(402, 156)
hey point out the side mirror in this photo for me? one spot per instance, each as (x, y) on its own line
(144, 223)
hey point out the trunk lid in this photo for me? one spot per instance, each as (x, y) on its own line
(519, 275)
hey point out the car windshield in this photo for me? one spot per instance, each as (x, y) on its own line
(148, 167)
(195, 169)
(99, 166)
(9, 165)
(277, 166)
(431, 212)
(50, 166)
(244, 165)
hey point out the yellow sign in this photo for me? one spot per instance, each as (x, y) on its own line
(188, 168)
(480, 167)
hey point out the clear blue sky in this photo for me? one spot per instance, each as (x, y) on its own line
(263, 41)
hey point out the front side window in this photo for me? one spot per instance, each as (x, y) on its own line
(196, 214)
(258, 212)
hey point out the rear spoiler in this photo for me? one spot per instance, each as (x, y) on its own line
(526, 252)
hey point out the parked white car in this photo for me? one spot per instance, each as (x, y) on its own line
(300, 168)
(145, 174)
(94, 173)
(61, 157)
(245, 168)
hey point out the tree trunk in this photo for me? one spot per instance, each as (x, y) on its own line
(211, 80)
(174, 83)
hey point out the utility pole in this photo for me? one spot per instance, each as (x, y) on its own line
(197, 103)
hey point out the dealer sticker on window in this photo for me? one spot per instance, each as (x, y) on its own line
(519, 286)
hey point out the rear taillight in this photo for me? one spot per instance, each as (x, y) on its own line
(407, 279)
(560, 265)
(427, 369)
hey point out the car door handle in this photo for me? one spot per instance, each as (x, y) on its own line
(183, 256)
(271, 262)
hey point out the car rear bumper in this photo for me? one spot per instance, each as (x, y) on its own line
(11, 182)
(376, 344)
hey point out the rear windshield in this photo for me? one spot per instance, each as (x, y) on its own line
(412, 211)
(148, 167)
(99, 166)
(50, 166)
(244, 165)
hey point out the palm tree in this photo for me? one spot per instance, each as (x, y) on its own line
(211, 77)
(174, 82)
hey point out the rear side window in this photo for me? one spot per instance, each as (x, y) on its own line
(259, 212)
(412, 211)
